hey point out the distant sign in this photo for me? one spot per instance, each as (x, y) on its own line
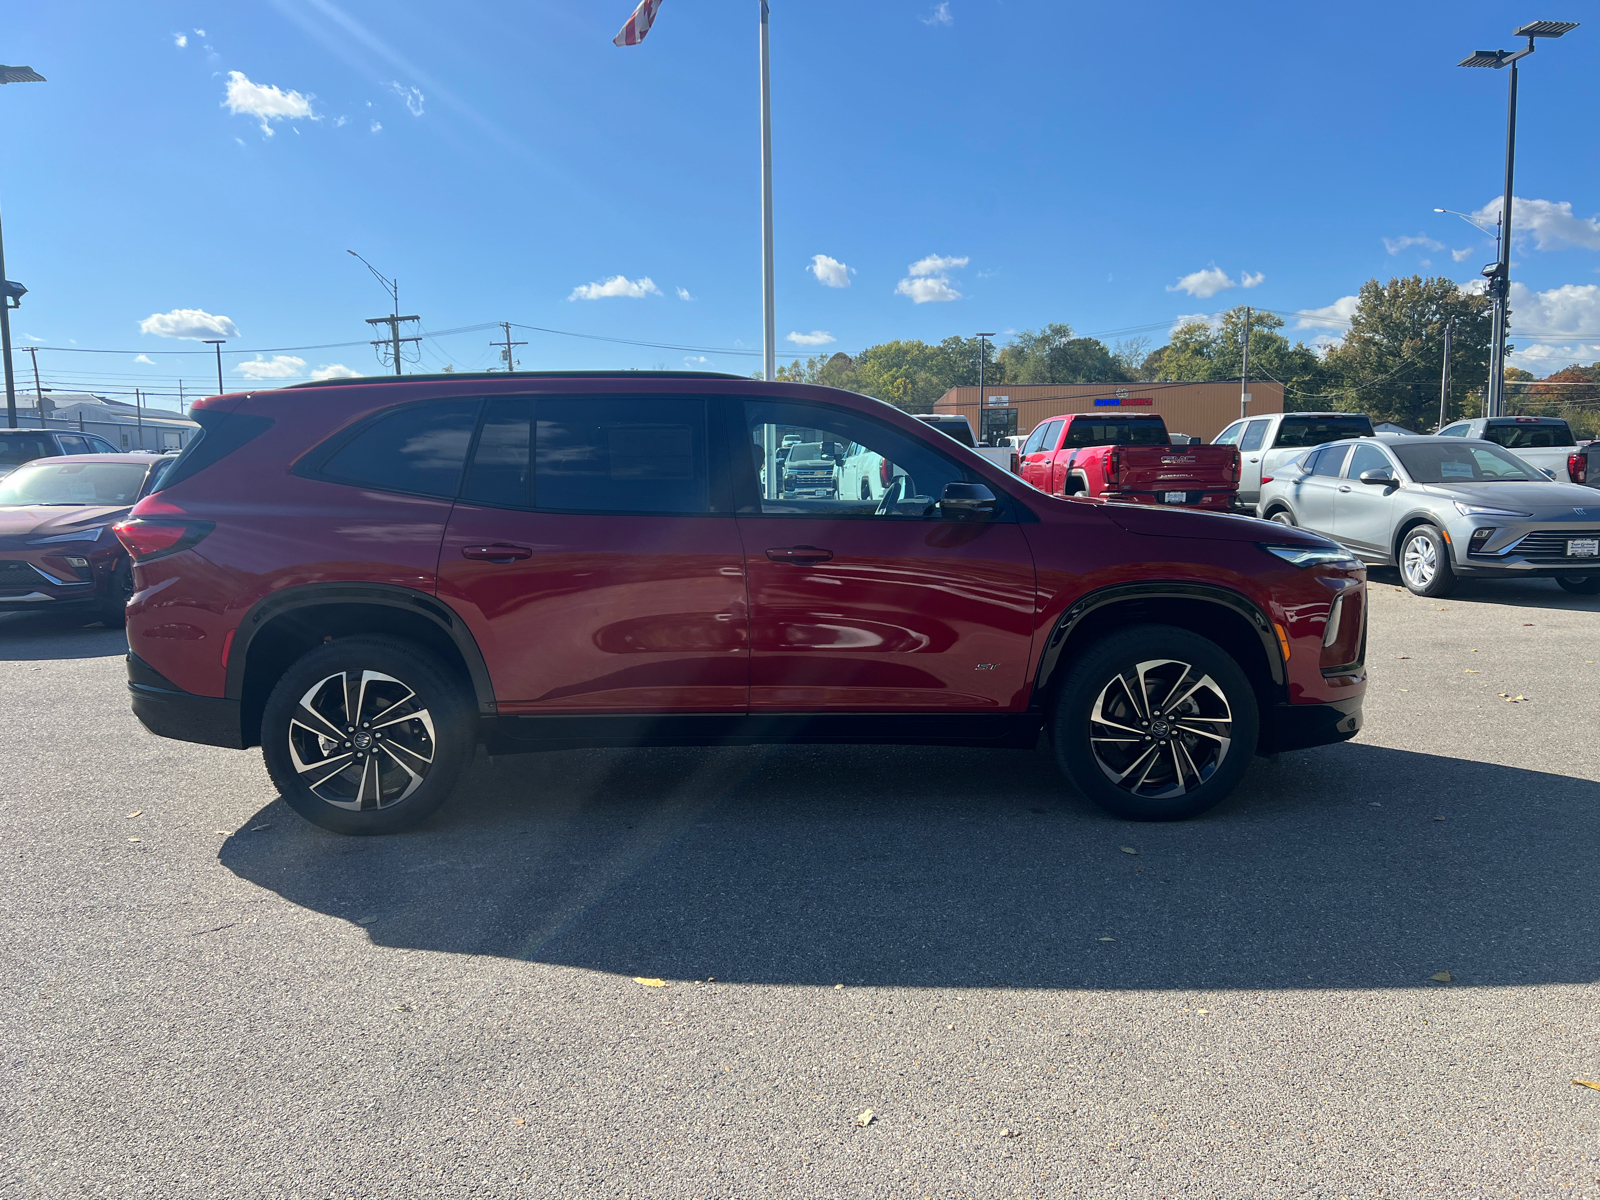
(999, 401)
(1124, 402)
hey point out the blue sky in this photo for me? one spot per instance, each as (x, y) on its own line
(973, 165)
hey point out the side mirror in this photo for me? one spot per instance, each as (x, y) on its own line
(1383, 477)
(967, 501)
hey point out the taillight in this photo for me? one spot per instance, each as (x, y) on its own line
(1236, 467)
(1114, 462)
(885, 472)
(1578, 467)
(147, 539)
(1016, 463)
(1264, 479)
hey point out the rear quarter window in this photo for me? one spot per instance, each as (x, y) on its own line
(421, 448)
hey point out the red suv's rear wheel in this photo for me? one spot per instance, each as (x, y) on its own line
(366, 735)
(1155, 724)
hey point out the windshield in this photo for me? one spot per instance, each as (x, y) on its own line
(1313, 431)
(956, 427)
(18, 448)
(1530, 437)
(51, 482)
(1147, 432)
(1459, 462)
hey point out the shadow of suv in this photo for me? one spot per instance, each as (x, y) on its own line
(369, 578)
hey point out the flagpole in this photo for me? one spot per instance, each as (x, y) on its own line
(768, 317)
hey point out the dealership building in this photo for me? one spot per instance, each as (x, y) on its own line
(1201, 410)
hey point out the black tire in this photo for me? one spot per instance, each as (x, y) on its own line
(1580, 585)
(1097, 697)
(1424, 562)
(386, 785)
(1282, 516)
(119, 590)
(865, 489)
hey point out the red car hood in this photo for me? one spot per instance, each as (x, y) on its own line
(29, 522)
(1151, 521)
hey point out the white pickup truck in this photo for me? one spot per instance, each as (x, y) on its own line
(1543, 442)
(959, 428)
(1269, 441)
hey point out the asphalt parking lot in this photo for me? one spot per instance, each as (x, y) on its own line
(205, 996)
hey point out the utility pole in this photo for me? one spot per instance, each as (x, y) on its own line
(138, 415)
(982, 412)
(1444, 379)
(769, 327)
(180, 398)
(1244, 370)
(217, 342)
(505, 351)
(394, 339)
(5, 339)
(38, 391)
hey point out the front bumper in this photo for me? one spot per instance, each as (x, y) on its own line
(166, 710)
(1302, 726)
(1526, 547)
(42, 601)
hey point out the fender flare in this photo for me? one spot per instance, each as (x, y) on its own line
(389, 595)
(1050, 659)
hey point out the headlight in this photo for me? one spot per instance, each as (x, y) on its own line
(1312, 556)
(1483, 510)
(77, 535)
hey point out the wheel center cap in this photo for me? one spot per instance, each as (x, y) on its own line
(1159, 728)
(361, 740)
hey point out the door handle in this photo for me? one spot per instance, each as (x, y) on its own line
(799, 555)
(497, 553)
(1255, 460)
(1345, 488)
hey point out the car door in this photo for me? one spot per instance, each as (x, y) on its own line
(1037, 454)
(610, 576)
(1363, 513)
(1251, 439)
(877, 607)
(1316, 490)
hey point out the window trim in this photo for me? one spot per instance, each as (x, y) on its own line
(747, 499)
(1334, 448)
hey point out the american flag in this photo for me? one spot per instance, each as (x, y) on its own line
(639, 23)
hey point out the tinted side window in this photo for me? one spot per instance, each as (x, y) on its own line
(1255, 433)
(1313, 431)
(1330, 460)
(71, 443)
(501, 473)
(1367, 458)
(622, 454)
(420, 448)
(1052, 434)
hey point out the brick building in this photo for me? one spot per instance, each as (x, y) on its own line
(1200, 409)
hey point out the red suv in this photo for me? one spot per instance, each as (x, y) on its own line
(369, 578)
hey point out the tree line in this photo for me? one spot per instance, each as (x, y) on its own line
(1387, 364)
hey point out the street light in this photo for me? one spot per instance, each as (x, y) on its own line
(983, 420)
(1499, 274)
(11, 75)
(217, 342)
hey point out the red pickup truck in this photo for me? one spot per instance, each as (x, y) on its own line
(1129, 458)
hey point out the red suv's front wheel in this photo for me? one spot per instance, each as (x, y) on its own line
(366, 735)
(1155, 724)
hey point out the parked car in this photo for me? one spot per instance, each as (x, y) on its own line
(1583, 465)
(1266, 442)
(57, 550)
(18, 446)
(543, 562)
(1130, 458)
(812, 469)
(1546, 442)
(1440, 510)
(958, 427)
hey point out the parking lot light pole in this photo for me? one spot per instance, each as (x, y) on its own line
(1499, 272)
(982, 354)
(10, 75)
(217, 342)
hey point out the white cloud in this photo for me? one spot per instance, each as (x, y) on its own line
(1461, 255)
(617, 285)
(410, 96)
(936, 264)
(179, 40)
(817, 337)
(1571, 310)
(335, 371)
(1552, 223)
(1214, 320)
(145, 359)
(199, 33)
(1331, 316)
(339, 122)
(279, 366)
(193, 323)
(265, 102)
(1395, 245)
(1248, 280)
(377, 127)
(1204, 284)
(940, 15)
(683, 294)
(31, 338)
(830, 272)
(923, 291)
(696, 360)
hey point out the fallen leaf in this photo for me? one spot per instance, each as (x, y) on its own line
(650, 982)
(1127, 849)
(1440, 608)
(138, 812)
(838, 987)
(1471, 651)
(1438, 818)
(136, 839)
(1441, 977)
(1470, 671)
(1108, 939)
(403, 1008)
(223, 832)
(1587, 1083)
(949, 1026)
(520, 1121)
(865, 1118)
(260, 827)
(1373, 804)
(1527, 624)
(1204, 1012)
(1402, 656)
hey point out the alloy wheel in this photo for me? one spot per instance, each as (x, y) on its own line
(1420, 561)
(1160, 730)
(361, 740)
